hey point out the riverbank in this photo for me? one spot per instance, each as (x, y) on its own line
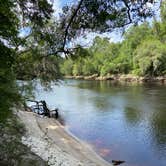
(48, 139)
(12, 151)
(120, 77)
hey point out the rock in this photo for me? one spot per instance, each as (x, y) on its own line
(117, 162)
(121, 77)
(79, 77)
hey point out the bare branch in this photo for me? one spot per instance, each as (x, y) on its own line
(128, 11)
(70, 22)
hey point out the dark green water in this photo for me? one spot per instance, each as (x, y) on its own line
(121, 122)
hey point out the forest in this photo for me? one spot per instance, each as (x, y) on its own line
(141, 53)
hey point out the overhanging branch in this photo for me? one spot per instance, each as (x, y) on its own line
(70, 22)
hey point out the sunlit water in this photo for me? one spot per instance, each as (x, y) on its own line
(121, 122)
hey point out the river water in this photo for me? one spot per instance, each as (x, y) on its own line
(120, 121)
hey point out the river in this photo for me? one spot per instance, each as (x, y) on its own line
(121, 121)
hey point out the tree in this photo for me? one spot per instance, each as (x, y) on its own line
(159, 28)
(151, 58)
(137, 53)
(8, 88)
(101, 16)
(88, 67)
(67, 67)
(13, 14)
(163, 12)
(136, 34)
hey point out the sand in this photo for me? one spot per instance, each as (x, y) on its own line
(49, 139)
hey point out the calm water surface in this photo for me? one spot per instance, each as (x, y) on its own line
(123, 122)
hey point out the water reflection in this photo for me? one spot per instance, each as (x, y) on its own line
(132, 115)
(122, 121)
(159, 130)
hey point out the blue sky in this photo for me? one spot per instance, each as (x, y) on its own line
(64, 2)
(58, 4)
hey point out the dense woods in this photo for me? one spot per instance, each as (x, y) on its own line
(142, 53)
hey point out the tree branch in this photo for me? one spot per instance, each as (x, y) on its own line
(18, 44)
(70, 22)
(128, 11)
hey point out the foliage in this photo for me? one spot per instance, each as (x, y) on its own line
(30, 66)
(163, 11)
(142, 52)
(150, 57)
(13, 14)
(67, 67)
(102, 16)
(88, 68)
(8, 88)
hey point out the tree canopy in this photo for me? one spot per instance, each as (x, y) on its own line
(142, 52)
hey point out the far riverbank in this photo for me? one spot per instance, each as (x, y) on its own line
(122, 78)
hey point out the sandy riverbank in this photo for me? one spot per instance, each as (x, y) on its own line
(48, 138)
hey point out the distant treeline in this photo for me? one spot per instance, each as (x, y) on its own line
(142, 53)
